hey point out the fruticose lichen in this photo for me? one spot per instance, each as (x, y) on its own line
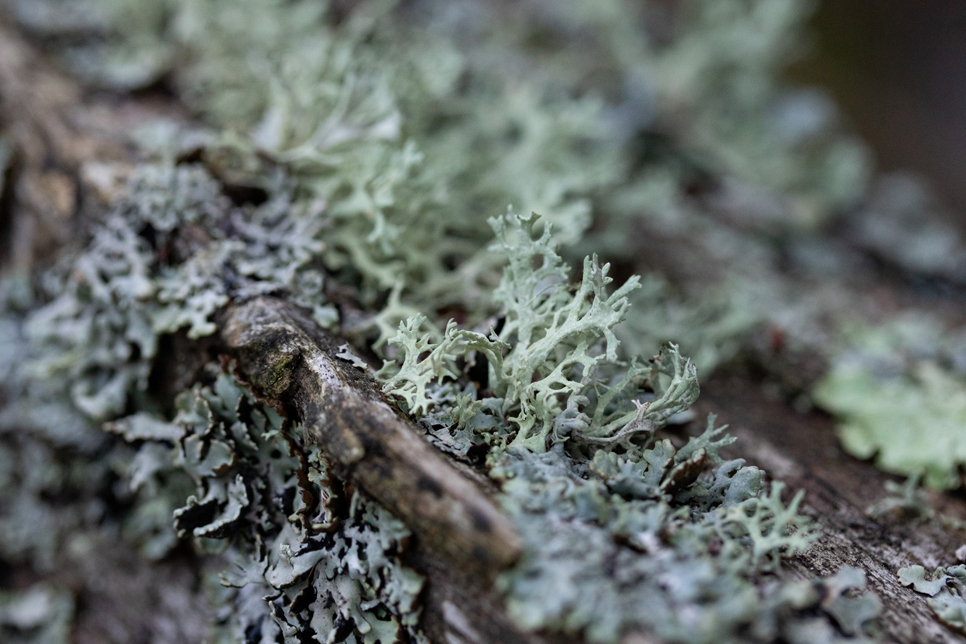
(353, 162)
(685, 541)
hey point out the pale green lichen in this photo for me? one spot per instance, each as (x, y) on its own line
(364, 123)
(946, 591)
(551, 352)
(381, 147)
(680, 541)
(901, 396)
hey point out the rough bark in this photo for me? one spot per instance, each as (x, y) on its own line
(801, 449)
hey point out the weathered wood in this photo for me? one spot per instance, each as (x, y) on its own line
(462, 539)
(801, 449)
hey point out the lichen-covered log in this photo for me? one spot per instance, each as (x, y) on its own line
(526, 488)
(463, 540)
(285, 355)
(65, 146)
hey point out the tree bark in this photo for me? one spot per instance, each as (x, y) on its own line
(801, 449)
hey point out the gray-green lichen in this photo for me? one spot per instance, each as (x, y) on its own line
(301, 561)
(39, 615)
(383, 147)
(946, 591)
(552, 355)
(224, 471)
(623, 531)
(900, 392)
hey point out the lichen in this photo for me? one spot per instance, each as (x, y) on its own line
(224, 472)
(264, 500)
(901, 396)
(909, 500)
(637, 534)
(946, 592)
(351, 161)
(683, 556)
(39, 615)
(549, 354)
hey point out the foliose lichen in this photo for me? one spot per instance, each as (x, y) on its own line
(380, 149)
(900, 392)
(301, 560)
(946, 591)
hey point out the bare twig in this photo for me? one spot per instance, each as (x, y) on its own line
(288, 357)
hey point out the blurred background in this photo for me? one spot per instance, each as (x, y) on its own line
(898, 72)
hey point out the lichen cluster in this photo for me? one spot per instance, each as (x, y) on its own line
(302, 562)
(946, 591)
(900, 391)
(594, 488)
(224, 471)
(355, 163)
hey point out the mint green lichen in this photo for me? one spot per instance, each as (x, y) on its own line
(650, 511)
(551, 348)
(383, 149)
(899, 400)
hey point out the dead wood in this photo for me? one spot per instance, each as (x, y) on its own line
(62, 136)
(462, 539)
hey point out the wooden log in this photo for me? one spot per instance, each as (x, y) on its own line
(462, 540)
